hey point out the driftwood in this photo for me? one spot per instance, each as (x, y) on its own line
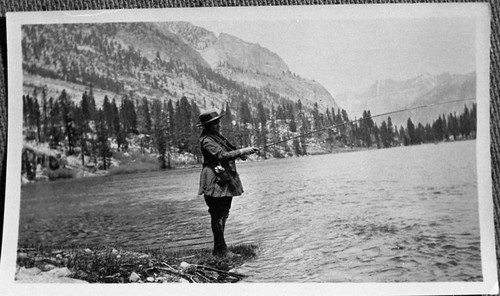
(196, 274)
(233, 274)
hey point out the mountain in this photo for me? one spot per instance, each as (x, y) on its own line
(160, 60)
(250, 64)
(390, 95)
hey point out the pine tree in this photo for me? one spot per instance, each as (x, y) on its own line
(473, 120)
(121, 139)
(438, 129)
(45, 116)
(384, 135)
(194, 139)
(296, 147)
(128, 116)
(390, 131)
(303, 129)
(453, 125)
(159, 132)
(67, 119)
(245, 113)
(403, 136)
(465, 123)
(85, 106)
(145, 117)
(274, 132)
(184, 120)
(108, 113)
(172, 122)
(262, 122)
(102, 144)
(92, 105)
(411, 132)
(316, 117)
(36, 118)
(292, 125)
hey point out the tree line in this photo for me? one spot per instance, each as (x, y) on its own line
(167, 127)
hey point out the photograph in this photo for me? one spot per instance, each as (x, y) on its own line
(280, 149)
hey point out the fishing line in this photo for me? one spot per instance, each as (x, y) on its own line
(373, 116)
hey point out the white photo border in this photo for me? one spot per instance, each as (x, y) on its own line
(479, 11)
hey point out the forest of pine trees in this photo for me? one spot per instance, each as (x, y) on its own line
(167, 127)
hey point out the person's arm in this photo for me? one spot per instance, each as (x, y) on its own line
(216, 150)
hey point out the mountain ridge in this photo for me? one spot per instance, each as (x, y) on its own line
(389, 95)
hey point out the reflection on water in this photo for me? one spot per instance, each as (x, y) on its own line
(401, 214)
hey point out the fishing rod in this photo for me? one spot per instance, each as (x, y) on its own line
(364, 118)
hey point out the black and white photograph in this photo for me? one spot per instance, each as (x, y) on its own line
(253, 149)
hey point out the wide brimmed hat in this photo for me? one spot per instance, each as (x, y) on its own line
(208, 117)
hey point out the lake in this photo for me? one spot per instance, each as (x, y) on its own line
(406, 214)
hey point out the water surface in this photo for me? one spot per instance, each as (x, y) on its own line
(401, 214)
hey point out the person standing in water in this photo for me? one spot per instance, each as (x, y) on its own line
(219, 180)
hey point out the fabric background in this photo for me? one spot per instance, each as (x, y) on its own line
(42, 5)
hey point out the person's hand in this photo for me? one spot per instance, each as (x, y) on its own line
(248, 150)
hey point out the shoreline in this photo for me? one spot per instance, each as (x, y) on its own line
(116, 265)
(80, 173)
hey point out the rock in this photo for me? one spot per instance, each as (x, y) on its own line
(118, 256)
(60, 272)
(144, 256)
(22, 255)
(183, 280)
(48, 267)
(28, 272)
(185, 265)
(114, 251)
(35, 275)
(134, 277)
(87, 250)
(150, 279)
(59, 257)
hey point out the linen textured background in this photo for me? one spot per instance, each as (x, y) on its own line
(44, 5)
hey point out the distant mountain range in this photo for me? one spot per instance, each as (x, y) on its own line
(161, 60)
(390, 95)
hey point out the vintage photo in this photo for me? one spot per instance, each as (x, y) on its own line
(326, 144)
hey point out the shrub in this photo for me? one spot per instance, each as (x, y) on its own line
(62, 173)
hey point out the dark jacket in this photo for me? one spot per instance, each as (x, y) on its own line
(216, 150)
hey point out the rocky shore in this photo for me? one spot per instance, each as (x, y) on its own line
(111, 265)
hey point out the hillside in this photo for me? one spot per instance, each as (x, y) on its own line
(164, 61)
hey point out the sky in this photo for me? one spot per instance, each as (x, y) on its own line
(349, 55)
